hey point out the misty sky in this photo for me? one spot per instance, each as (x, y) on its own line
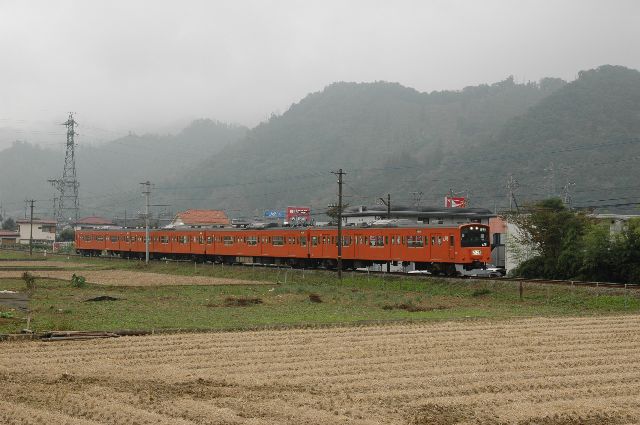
(150, 66)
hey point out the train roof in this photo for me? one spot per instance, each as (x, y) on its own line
(381, 225)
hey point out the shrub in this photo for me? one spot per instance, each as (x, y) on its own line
(29, 281)
(78, 281)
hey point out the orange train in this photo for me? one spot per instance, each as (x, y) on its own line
(442, 249)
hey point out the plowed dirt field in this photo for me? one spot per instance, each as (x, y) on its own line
(529, 371)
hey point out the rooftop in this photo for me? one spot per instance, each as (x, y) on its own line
(37, 221)
(94, 220)
(8, 233)
(201, 217)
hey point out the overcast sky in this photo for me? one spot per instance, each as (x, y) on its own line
(150, 65)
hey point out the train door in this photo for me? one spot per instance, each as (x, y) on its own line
(437, 251)
(452, 247)
(359, 248)
(329, 245)
(315, 244)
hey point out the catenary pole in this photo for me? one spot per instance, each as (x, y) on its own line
(339, 173)
(388, 204)
(146, 190)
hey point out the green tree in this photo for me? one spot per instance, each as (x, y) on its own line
(67, 235)
(625, 254)
(9, 224)
(556, 236)
(598, 263)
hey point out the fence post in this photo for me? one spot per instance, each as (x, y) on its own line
(626, 296)
(521, 290)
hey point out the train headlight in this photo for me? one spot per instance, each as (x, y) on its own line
(476, 252)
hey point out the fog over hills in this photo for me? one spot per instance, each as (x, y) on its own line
(387, 137)
(109, 173)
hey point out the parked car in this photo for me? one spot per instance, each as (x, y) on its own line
(490, 271)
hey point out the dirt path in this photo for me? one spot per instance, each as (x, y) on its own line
(56, 264)
(531, 371)
(131, 278)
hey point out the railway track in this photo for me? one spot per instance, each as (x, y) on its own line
(580, 283)
(576, 283)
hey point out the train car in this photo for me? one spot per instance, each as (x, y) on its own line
(436, 248)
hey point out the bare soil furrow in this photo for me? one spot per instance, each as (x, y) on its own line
(563, 371)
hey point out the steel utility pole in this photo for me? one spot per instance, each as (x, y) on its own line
(339, 173)
(512, 186)
(31, 201)
(388, 204)
(146, 191)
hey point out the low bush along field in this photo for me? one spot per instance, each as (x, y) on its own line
(289, 298)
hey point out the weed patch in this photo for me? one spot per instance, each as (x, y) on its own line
(480, 292)
(241, 301)
(315, 298)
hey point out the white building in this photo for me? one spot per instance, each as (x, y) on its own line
(44, 231)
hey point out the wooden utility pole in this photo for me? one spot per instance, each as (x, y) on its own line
(388, 204)
(31, 202)
(339, 173)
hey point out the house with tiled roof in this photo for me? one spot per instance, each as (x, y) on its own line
(92, 222)
(42, 231)
(200, 218)
(8, 237)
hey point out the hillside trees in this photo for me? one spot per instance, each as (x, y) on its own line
(570, 245)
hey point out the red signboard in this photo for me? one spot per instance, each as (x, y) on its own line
(298, 214)
(453, 202)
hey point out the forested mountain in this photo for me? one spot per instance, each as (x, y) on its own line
(383, 134)
(583, 135)
(110, 173)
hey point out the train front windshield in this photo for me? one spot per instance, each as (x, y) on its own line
(474, 236)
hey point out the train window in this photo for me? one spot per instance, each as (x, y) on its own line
(164, 240)
(209, 239)
(200, 240)
(397, 240)
(228, 240)
(415, 241)
(252, 240)
(386, 240)
(474, 236)
(314, 240)
(376, 241)
(183, 239)
(277, 241)
(433, 240)
(346, 240)
(113, 239)
(451, 241)
(303, 241)
(100, 238)
(439, 240)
